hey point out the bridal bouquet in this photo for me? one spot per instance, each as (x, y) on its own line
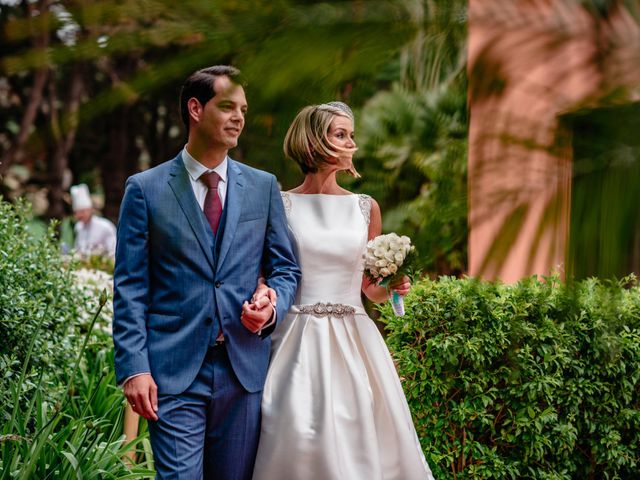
(387, 258)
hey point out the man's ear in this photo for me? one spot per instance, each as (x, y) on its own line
(195, 109)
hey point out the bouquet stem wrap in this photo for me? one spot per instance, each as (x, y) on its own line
(397, 303)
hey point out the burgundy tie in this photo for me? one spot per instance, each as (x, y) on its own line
(212, 203)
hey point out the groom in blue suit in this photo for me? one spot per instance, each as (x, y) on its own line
(196, 236)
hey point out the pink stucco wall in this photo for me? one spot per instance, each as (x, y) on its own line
(529, 63)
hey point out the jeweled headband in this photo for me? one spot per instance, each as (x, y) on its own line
(337, 106)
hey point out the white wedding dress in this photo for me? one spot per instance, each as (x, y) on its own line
(333, 407)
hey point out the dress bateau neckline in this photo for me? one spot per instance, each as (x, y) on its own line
(323, 194)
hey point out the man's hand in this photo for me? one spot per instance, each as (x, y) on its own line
(142, 393)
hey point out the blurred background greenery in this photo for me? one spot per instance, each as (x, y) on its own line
(88, 93)
(89, 90)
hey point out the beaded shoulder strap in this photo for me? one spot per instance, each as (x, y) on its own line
(365, 206)
(286, 201)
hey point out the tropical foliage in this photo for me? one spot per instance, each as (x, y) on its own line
(414, 162)
(413, 139)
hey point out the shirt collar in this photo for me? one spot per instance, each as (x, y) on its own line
(196, 169)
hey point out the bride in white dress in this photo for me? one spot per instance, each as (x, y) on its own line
(333, 406)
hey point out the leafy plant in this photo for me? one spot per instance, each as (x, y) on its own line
(60, 410)
(35, 301)
(414, 162)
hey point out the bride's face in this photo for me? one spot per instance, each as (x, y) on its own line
(341, 136)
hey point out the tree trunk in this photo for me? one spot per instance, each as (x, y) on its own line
(15, 152)
(64, 134)
(121, 160)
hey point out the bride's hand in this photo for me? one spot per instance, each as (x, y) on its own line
(401, 286)
(256, 315)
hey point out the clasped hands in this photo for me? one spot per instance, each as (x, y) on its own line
(257, 314)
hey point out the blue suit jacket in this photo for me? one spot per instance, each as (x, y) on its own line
(172, 291)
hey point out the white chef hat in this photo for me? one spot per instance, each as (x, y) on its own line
(80, 197)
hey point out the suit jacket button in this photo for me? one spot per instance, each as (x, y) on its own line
(208, 321)
(218, 284)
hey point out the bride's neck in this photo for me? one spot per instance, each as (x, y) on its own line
(320, 182)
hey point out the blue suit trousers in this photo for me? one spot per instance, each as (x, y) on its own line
(209, 431)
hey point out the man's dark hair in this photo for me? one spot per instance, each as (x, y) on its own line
(200, 85)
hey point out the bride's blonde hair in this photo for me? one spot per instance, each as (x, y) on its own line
(307, 142)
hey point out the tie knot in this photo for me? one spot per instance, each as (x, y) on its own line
(210, 179)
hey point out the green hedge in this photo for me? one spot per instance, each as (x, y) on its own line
(533, 380)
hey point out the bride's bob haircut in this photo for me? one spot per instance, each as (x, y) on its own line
(307, 142)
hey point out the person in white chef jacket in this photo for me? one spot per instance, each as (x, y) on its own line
(94, 235)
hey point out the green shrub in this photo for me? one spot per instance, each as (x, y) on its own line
(60, 410)
(533, 380)
(36, 301)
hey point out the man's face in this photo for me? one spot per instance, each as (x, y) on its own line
(222, 118)
(83, 215)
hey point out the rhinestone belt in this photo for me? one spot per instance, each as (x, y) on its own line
(327, 309)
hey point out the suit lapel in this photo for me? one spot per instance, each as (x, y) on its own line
(233, 206)
(181, 186)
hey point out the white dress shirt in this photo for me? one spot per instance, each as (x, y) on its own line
(195, 169)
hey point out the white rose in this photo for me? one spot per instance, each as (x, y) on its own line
(385, 272)
(399, 258)
(379, 252)
(389, 256)
(381, 263)
(393, 268)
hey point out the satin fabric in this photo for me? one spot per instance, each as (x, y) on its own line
(333, 406)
